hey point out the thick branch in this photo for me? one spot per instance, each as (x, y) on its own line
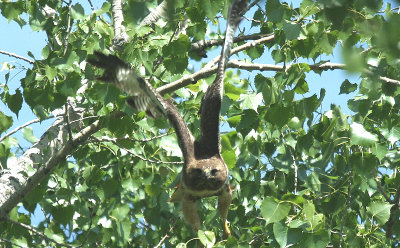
(156, 14)
(15, 182)
(120, 36)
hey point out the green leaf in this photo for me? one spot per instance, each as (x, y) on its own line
(232, 92)
(207, 238)
(380, 211)
(29, 136)
(229, 158)
(120, 212)
(77, 12)
(63, 215)
(234, 120)
(347, 87)
(110, 187)
(5, 122)
(360, 136)
(273, 211)
(211, 7)
(51, 72)
(152, 189)
(280, 233)
(291, 30)
(274, 10)
(315, 240)
(255, 52)
(251, 101)
(93, 175)
(284, 236)
(248, 121)
(14, 102)
(11, 10)
(170, 144)
(279, 115)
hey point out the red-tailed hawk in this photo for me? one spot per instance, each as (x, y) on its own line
(204, 173)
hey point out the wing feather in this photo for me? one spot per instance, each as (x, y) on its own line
(144, 97)
(210, 141)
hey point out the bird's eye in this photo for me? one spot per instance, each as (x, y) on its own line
(214, 172)
(197, 171)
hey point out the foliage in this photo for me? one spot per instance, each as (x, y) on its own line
(302, 177)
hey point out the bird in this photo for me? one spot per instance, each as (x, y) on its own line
(204, 172)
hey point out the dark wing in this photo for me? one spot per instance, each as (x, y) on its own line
(144, 97)
(211, 103)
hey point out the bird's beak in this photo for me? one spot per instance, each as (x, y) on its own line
(207, 173)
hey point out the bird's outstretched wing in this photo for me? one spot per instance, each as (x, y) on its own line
(209, 144)
(143, 96)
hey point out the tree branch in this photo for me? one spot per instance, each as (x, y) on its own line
(393, 210)
(120, 35)
(33, 230)
(20, 127)
(15, 182)
(135, 155)
(155, 14)
(202, 44)
(16, 56)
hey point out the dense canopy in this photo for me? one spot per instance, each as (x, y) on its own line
(308, 169)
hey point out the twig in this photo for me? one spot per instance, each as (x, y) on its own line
(20, 127)
(10, 242)
(16, 56)
(90, 226)
(208, 69)
(91, 4)
(135, 140)
(202, 44)
(135, 155)
(393, 210)
(33, 230)
(68, 27)
(166, 235)
(381, 189)
(346, 211)
(66, 118)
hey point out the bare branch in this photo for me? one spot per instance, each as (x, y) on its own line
(16, 56)
(19, 128)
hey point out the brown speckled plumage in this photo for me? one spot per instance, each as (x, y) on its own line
(204, 173)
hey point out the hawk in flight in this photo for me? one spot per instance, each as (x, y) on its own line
(204, 172)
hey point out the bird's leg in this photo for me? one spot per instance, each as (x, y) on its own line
(190, 213)
(224, 200)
